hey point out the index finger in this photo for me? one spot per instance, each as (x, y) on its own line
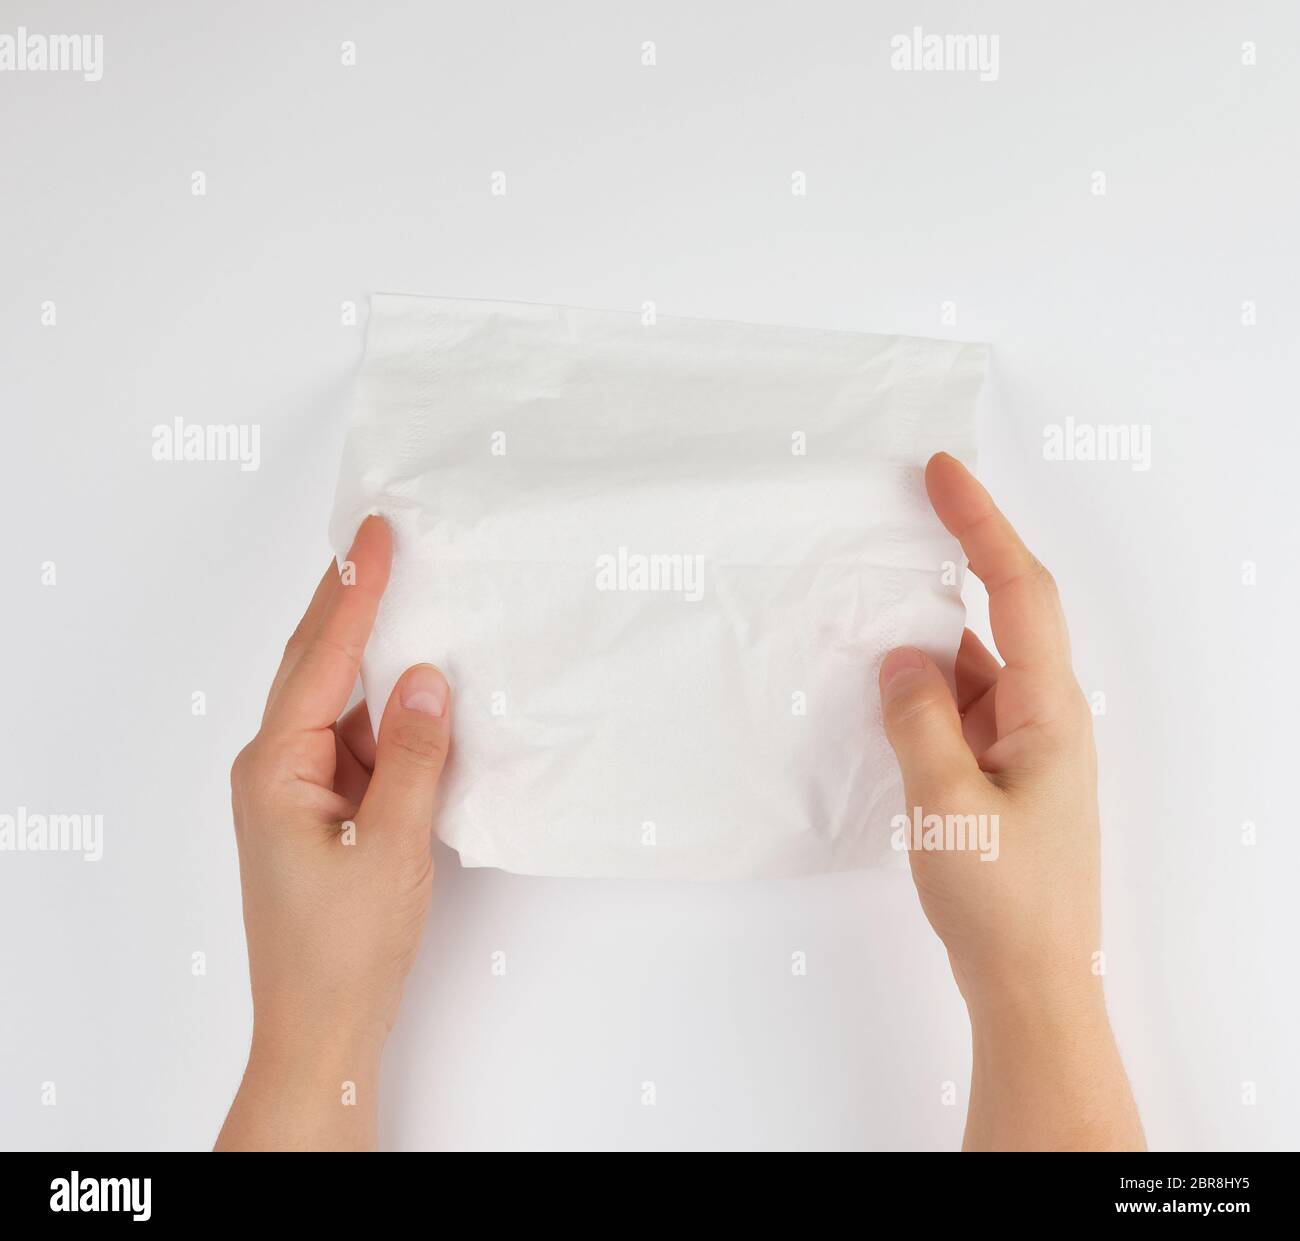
(1024, 607)
(318, 687)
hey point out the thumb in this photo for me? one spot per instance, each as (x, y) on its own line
(923, 725)
(414, 734)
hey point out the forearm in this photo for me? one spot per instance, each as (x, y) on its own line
(1046, 1075)
(304, 1094)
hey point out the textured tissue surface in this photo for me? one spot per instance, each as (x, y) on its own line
(660, 565)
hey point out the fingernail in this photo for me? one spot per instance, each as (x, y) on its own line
(904, 659)
(425, 690)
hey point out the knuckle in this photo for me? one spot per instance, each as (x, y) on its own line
(1071, 725)
(239, 769)
(325, 643)
(425, 746)
(243, 783)
(1045, 578)
(256, 767)
(1080, 714)
(294, 647)
(905, 708)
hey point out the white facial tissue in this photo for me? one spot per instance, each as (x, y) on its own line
(659, 561)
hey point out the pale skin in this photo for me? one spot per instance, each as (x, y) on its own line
(334, 914)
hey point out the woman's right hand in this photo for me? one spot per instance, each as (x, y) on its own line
(1020, 917)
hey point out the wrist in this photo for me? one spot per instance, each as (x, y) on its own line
(305, 1089)
(1049, 1002)
(315, 1051)
(1045, 1070)
(1016, 986)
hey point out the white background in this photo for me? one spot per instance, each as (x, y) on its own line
(628, 184)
